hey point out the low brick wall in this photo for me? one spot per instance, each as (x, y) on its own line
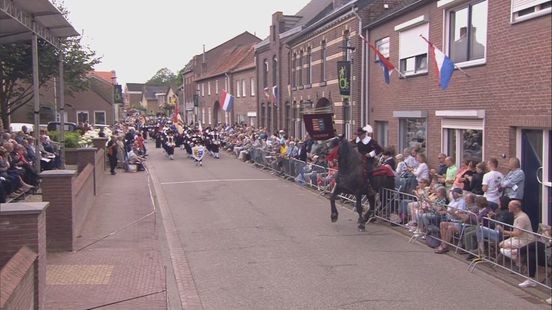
(83, 197)
(71, 196)
(17, 281)
(24, 225)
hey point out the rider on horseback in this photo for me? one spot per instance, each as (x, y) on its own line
(369, 149)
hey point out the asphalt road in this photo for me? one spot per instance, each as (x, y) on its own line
(254, 241)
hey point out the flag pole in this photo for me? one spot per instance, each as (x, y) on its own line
(455, 66)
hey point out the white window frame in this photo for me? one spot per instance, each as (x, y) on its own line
(252, 87)
(474, 120)
(105, 117)
(455, 5)
(238, 88)
(209, 88)
(244, 92)
(216, 87)
(520, 5)
(202, 89)
(413, 27)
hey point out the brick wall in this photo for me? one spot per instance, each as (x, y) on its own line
(24, 224)
(17, 281)
(515, 80)
(83, 193)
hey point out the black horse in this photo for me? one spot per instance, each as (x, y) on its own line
(351, 179)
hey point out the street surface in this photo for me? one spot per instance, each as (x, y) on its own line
(242, 238)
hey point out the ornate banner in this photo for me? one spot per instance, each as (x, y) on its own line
(319, 126)
(344, 77)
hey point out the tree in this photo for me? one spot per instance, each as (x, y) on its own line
(163, 76)
(16, 77)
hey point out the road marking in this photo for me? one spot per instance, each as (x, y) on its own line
(220, 180)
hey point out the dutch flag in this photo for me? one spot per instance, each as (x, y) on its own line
(227, 101)
(445, 66)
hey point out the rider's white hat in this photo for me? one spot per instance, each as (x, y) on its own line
(368, 129)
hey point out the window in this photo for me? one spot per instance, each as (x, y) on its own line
(274, 69)
(252, 87)
(243, 88)
(263, 115)
(99, 118)
(202, 89)
(413, 133)
(309, 66)
(383, 47)
(527, 9)
(382, 133)
(467, 37)
(463, 144)
(287, 124)
(294, 68)
(209, 88)
(265, 73)
(413, 50)
(238, 89)
(300, 74)
(82, 117)
(216, 87)
(323, 54)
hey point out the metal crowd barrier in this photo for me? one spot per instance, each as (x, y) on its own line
(533, 259)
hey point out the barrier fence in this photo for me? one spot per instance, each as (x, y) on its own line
(528, 256)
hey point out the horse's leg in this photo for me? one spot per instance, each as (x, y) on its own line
(361, 221)
(358, 207)
(333, 196)
(372, 206)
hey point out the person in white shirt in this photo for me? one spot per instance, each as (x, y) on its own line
(422, 171)
(491, 184)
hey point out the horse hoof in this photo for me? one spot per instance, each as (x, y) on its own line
(334, 217)
(361, 228)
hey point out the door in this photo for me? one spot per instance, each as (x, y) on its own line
(531, 163)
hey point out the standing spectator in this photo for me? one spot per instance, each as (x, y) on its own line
(513, 184)
(491, 183)
(450, 175)
(410, 160)
(476, 179)
(302, 154)
(421, 171)
(461, 174)
(112, 147)
(441, 170)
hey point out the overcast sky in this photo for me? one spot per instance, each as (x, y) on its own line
(138, 37)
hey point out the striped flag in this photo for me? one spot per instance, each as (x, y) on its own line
(227, 101)
(445, 66)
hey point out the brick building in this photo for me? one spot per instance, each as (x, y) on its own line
(93, 105)
(299, 60)
(133, 94)
(229, 67)
(499, 106)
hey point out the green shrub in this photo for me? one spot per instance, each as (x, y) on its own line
(71, 138)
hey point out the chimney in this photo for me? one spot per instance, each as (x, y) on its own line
(203, 54)
(203, 62)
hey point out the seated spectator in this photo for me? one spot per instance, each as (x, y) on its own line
(439, 173)
(470, 233)
(519, 236)
(535, 252)
(409, 207)
(456, 217)
(435, 210)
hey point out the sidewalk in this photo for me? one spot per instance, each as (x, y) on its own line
(125, 265)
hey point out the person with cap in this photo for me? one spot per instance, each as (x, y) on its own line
(368, 148)
(456, 215)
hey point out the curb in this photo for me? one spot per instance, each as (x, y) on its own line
(187, 290)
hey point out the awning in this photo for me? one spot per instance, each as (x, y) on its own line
(18, 19)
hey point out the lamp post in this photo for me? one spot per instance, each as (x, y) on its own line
(347, 102)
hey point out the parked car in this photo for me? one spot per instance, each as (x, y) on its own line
(55, 126)
(17, 127)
